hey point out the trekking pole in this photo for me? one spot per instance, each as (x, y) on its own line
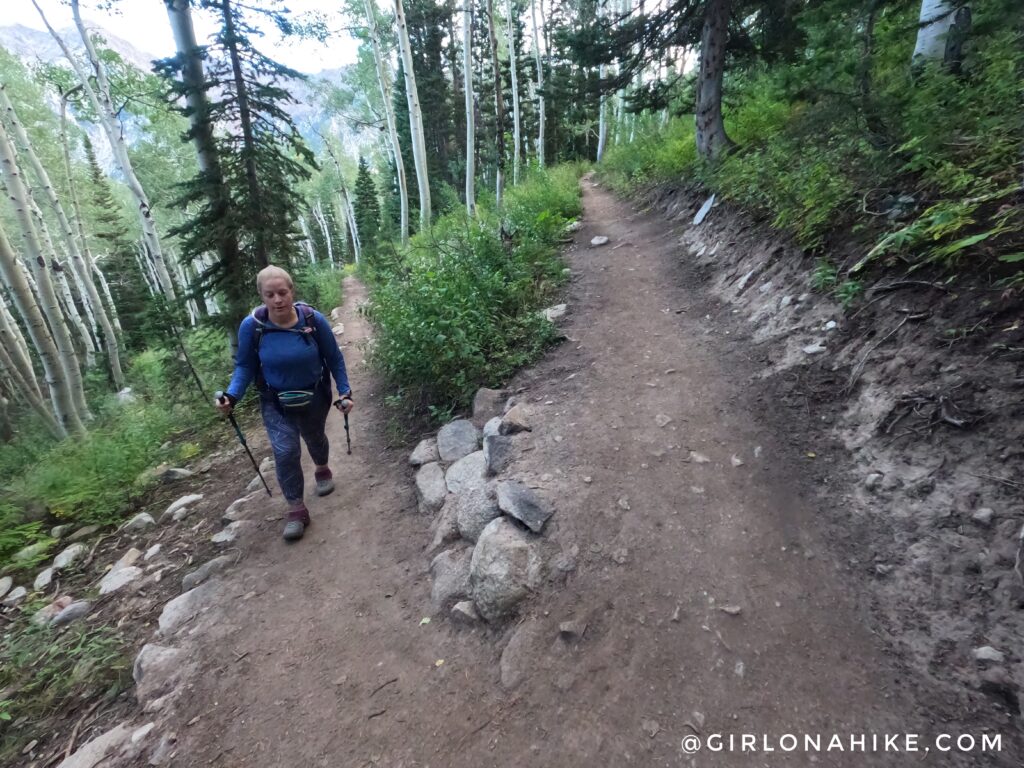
(241, 438)
(348, 438)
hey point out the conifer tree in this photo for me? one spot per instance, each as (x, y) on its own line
(367, 209)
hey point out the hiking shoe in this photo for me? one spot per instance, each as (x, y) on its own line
(324, 482)
(295, 525)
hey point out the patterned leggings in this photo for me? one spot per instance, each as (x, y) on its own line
(284, 431)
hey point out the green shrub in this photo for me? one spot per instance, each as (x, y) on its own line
(319, 285)
(460, 309)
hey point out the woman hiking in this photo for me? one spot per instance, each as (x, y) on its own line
(289, 349)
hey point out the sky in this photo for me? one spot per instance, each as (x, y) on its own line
(144, 24)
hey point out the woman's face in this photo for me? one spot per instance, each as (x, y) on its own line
(278, 297)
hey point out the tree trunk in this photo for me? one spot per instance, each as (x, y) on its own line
(67, 418)
(419, 146)
(179, 14)
(104, 107)
(541, 116)
(384, 81)
(499, 108)
(934, 24)
(307, 240)
(711, 137)
(467, 74)
(82, 272)
(353, 228)
(513, 27)
(19, 361)
(321, 219)
(22, 204)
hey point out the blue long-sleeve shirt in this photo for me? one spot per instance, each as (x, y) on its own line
(291, 358)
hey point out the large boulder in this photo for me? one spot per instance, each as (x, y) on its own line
(185, 607)
(474, 509)
(505, 567)
(449, 572)
(466, 473)
(445, 527)
(180, 504)
(524, 504)
(99, 749)
(457, 439)
(488, 403)
(431, 489)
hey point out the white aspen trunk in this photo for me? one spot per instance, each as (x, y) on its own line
(108, 296)
(67, 302)
(212, 305)
(104, 106)
(350, 215)
(499, 109)
(341, 218)
(384, 81)
(82, 273)
(467, 75)
(307, 241)
(321, 219)
(146, 269)
(25, 383)
(934, 24)
(602, 118)
(13, 343)
(22, 204)
(67, 418)
(419, 145)
(541, 116)
(190, 303)
(513, 27)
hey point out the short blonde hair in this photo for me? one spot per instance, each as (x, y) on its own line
(268, 273)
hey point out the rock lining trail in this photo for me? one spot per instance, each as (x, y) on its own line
(704, 597)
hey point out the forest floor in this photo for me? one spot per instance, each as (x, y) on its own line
(716, 601)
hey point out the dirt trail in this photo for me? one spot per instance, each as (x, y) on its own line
(336, 669)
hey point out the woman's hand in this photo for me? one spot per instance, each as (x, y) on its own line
(223, 403)
(344, 404)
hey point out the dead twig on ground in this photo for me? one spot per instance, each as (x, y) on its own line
(382, 686)
(74, 733)
(855, 373)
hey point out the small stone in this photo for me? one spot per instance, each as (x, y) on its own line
(662, 420)
(598, 241)
(588, 479)
(815, 348)
(71, 613)
(205, 571)
(118, 579)
(449, 572)
(736, 460)
(620, 555)
(171, 474)
(59, 531)
(988, 653)
(732, 610)
(43, 580)
(705, 209)
(516, 419)
(14, 597)
(267, 465)
(873, 480)
(99, 749)
(241, 509)
(424, 453)
(84, 532)
(184, 501)
(698, 458)
(785, 301)
(131, 557)
(983, 516)
(6, 582)
(231, 532)
(650, 727)
(572, 630)
(499, 450)
(68, 557)
(492, 427)
(830, 325)
(555, 312)
(623, 503)
(338, 329)
(46, 615)
(465, 613)
(522, 503)
(152, 552)
(140, 522)
(574, 226)
(143, 732)
(765, 287)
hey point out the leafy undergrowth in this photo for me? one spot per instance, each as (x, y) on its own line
(458, 309)
(920, 169)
